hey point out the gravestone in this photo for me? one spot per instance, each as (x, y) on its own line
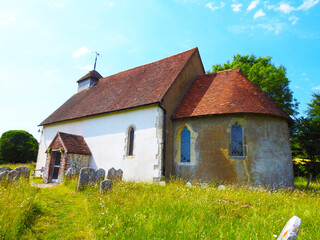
(291, 229)
(13, 176)
(69, 173)
(86, 177)
(2, 169)
(105, 185)
(3, 176)
(24, 172)
(100, 175)
(111, 173)
(118, 175)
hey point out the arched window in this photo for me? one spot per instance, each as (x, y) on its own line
(237, 140)
(185, 145)
(130, 141)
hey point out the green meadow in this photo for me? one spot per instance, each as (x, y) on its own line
(151, 211)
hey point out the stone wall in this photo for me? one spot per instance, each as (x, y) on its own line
(267, 161)
(77, 161)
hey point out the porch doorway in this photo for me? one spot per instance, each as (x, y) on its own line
(56, 158)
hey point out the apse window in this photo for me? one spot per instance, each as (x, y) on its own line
(237, 146)
(185, 145)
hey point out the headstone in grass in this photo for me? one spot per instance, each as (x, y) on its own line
(100, 174)
(105, 185)
(86, 177)
(118, 175)
(24, 172)
(222, 187)
(69, 173)
(13, 176)
(111, 173)
(291, 229)
(3, 176)
(2, 169)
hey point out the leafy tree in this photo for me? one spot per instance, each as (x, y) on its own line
(271, 79)
(18, 146)
(306, 141)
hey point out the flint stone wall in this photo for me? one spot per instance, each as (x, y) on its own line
(77, 161)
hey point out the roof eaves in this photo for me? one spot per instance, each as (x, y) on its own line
(92, 115)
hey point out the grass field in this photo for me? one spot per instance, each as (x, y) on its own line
(150, 211)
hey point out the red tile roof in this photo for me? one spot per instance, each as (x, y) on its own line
(139, 86)
(72, 143)
(226, 92)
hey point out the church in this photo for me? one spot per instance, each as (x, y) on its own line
(170, 118)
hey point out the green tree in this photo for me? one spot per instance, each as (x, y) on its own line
(306, 140)
(271, 79)
(18, 146)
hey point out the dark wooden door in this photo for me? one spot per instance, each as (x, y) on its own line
(56, 165)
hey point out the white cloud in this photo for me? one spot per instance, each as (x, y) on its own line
(303, 74)
(316, 88)
(259, 13)
(293, 19)
(236, 7)
(307, 4)
(81, 51)
(10, 18)
(88, 67)
(52, 71)
(273, 27)
(285, 8)
(253, 5)
(213, 8)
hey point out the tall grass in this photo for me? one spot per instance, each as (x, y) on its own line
(150, 211)
(19, 208)
(143, 211)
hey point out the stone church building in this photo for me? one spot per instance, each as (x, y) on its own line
(170, 118)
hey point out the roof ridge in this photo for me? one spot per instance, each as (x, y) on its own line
(238, 69)
(160, 60)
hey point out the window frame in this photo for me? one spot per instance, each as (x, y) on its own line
(130, 141)
(244, 156)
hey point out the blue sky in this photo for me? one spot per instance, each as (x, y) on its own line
(47, 45)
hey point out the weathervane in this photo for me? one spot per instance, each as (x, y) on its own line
(95, 61)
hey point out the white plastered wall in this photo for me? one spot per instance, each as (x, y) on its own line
(106, 136)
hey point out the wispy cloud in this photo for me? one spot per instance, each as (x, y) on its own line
(88, 67)
(259, 13)
(236, 7)
(287, 8)
(211, 6)
(8, 19)
(81, 51)
(307, 4)
(273, 27)
(293, 19)
(110, 4)
(316, 88)
(253, 5)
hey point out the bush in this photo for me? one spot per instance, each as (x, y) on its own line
(18, 146)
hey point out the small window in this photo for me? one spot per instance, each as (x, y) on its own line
(237, 149)
(185, 145)
(130, 141)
